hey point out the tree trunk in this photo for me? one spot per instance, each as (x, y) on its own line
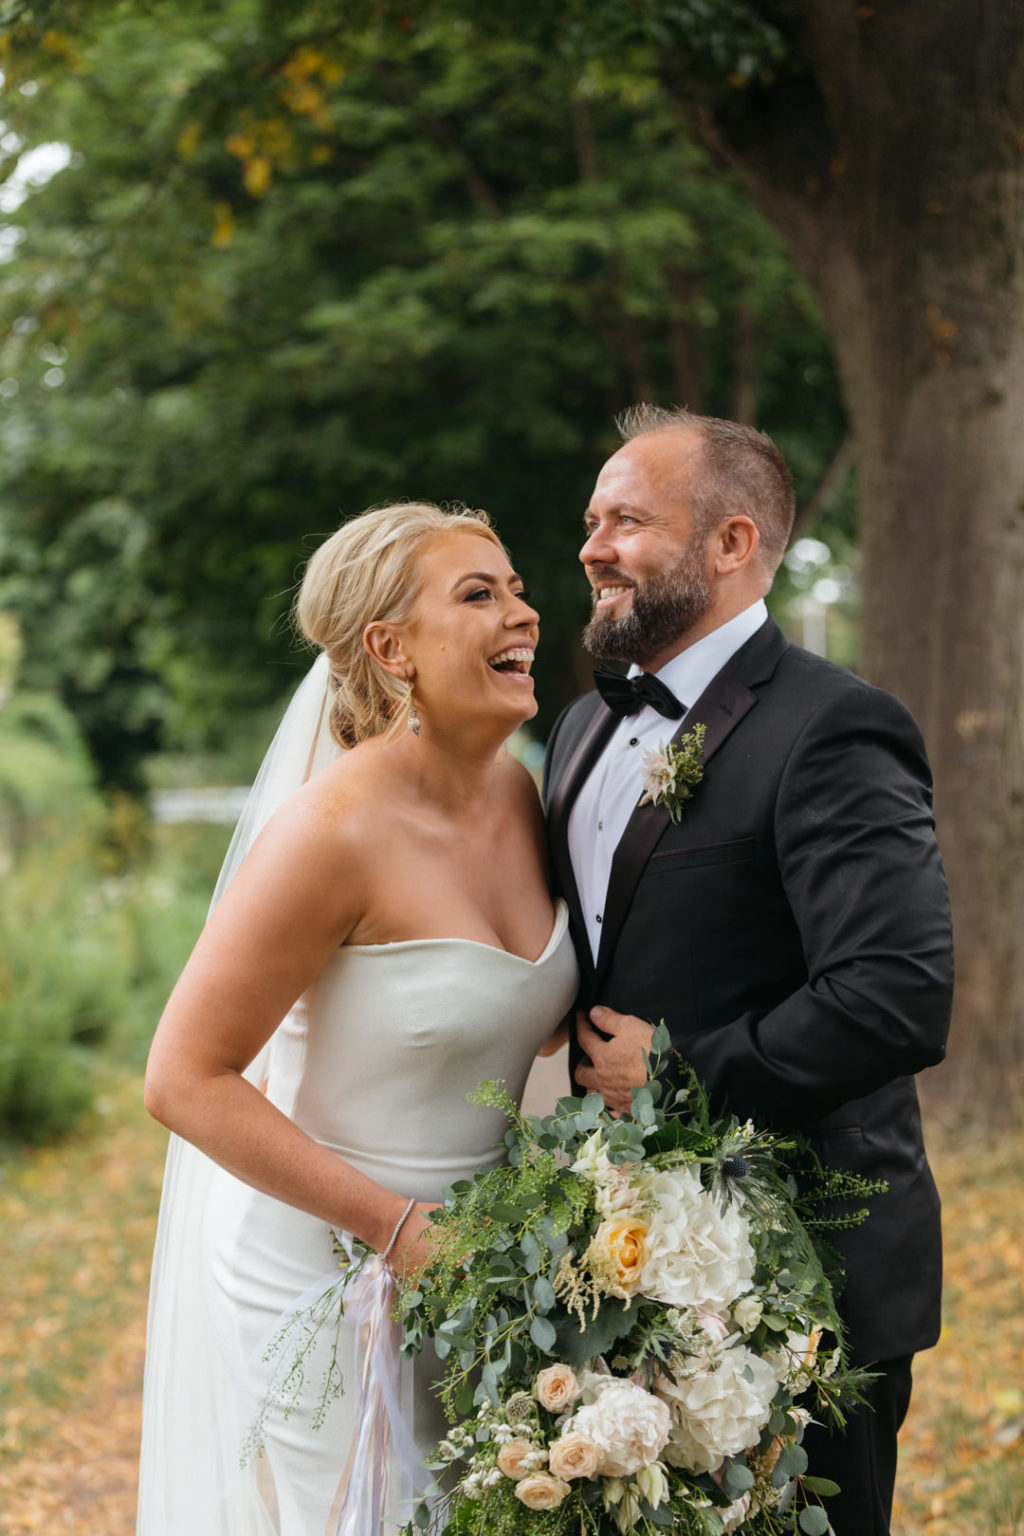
(893, 169)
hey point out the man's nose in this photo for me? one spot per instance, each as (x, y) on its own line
(599, 547)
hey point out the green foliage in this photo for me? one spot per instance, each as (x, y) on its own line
(521, 1277)
(301, 264)
(95, 923)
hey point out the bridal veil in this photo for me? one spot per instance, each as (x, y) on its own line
(194, 1420)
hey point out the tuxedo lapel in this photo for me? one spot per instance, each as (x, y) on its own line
(728, 697)
(588, 749)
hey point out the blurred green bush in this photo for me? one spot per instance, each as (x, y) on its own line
(98, 912)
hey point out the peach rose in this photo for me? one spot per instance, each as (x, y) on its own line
(541, 1491)
(556, 1388)
(511, 1457)
(618, 1252)
(573, 1456)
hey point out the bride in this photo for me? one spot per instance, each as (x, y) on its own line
(387, 942)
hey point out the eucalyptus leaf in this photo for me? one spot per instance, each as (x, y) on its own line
(824, 1487)
(543, 1294)
(542, 1332)
(737, 1479)
(813, 1520)
(793, 1460)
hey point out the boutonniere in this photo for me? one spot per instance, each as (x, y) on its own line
(672, 772)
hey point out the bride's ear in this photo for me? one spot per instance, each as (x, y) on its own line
(384, 644)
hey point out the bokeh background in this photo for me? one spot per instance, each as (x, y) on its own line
(262, 266)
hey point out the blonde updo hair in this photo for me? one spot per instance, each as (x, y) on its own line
(367, 571)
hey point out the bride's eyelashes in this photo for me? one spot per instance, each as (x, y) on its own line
(479, 592)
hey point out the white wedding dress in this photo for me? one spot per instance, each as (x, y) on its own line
(375, 1062)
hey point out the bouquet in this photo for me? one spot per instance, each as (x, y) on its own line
(636, 1322)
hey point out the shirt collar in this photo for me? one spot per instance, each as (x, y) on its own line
(689, 673)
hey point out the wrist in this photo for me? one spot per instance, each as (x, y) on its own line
(395, 1234)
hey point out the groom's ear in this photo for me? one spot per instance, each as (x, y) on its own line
(735, 542)
(384, 643)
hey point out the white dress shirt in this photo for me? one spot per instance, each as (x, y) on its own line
(615, 783)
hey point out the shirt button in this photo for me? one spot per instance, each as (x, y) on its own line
(600, 826)
(634, 741)
(599, 917)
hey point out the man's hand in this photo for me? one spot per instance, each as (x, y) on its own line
(615, 1065)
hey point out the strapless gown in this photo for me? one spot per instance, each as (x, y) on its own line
(375, 1062)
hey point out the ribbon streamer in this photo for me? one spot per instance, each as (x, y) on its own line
(380, 1428)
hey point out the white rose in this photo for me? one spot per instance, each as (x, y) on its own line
(746, 1313)
(628, 1427)
(719, 1412)
(699, 1250)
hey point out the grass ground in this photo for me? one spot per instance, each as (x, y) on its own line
(76, 1229)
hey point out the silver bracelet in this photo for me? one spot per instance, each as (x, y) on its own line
(399, 1225)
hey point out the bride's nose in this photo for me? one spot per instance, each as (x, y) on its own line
(522, 612)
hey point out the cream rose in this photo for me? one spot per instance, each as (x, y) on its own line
(573, 1456)
(618, 1252)
(541, 1491)
(556, 1388)
(513, 1455)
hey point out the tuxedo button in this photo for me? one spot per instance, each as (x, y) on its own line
(634, 741)
(599, 917)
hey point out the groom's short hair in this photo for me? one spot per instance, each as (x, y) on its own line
(740, 470)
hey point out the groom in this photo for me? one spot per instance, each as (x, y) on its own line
(793, 929)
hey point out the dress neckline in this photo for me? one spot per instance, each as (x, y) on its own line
(561, 918)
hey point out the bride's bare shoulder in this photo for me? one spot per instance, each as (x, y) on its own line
(341, 807)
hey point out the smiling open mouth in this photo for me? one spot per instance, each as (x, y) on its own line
(517, 662)
(609, 593)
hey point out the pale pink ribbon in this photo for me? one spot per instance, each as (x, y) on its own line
(380, 1432)
(380, 1428)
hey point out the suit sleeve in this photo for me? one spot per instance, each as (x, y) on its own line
(862, 873)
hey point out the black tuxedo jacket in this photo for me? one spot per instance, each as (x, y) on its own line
(793, 933)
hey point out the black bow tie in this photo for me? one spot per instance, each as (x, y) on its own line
(627, 695)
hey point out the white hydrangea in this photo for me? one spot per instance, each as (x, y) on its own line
(719, 1412)
(627, 1425)
(700, 1252)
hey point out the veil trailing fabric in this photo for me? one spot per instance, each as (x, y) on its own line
(195, 1420)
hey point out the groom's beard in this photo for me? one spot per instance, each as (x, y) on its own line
(663, 608)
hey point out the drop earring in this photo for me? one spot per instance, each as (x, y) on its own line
(413, 717)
